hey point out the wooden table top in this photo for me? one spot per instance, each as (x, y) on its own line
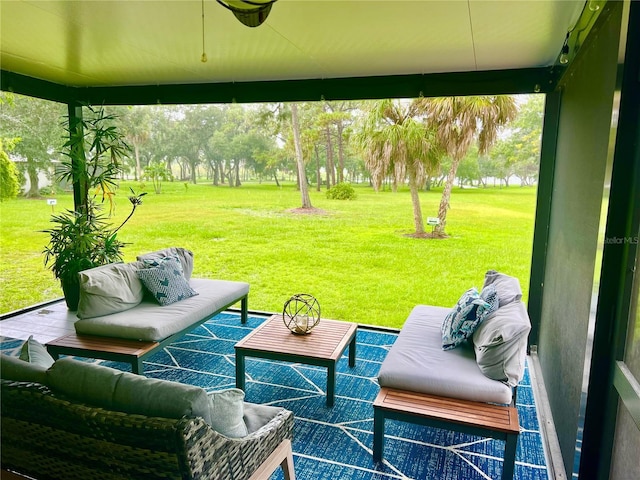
(326, 341)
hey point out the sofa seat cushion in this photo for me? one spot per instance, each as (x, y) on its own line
(416, 362)
(150, 322)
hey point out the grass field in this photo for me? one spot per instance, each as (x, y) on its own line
(354, 258)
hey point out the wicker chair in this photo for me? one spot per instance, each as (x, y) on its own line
(50, 437)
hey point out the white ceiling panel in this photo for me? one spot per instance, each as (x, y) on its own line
(117, 42)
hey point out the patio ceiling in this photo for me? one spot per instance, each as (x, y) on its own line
(125, 43)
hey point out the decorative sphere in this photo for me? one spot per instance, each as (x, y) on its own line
(301, 313)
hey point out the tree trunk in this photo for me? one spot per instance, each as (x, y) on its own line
(340, 154)
(331, 176)
(318, 175)
(417, 210)
(32, 171)
(304, 190)
(275, 177)
(136, 151)
(238, 183)
(446, 197)
(194, 168)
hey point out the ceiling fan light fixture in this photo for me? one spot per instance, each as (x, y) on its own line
(251, 13)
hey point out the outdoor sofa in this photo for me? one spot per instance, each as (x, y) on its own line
(469, 387)
(77, 420)
(153, 300)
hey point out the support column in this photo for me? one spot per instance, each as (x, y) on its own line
(77, 155)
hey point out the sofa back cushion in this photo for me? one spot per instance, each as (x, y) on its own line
(123, 391)
(185, 256)
(12, 368)
(500, 343)
(508, 287)
(109, 289)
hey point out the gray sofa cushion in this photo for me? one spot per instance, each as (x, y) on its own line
(416, 362)
(508, 287)
(126, 392)
(150, 322)
(500, 343)
(109, 289)
(12, 368)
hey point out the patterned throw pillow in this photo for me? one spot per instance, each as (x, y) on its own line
(466, 315)
(166, 282)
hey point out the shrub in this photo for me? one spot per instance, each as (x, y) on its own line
(9, 183)
(341, 191)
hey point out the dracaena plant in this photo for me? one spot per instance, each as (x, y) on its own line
(84, 238)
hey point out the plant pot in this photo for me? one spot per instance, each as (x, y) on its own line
(71, 292)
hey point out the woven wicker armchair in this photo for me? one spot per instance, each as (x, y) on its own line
(47, 436)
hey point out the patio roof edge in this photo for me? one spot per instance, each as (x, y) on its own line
(490, 82)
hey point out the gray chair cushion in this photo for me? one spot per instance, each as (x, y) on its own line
(500, 343)
(416, 362)
(257, 416)
(227, 412)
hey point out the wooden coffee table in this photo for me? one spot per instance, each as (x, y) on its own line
(322, 347)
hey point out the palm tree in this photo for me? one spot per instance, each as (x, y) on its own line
(459, 121)
(396, 142)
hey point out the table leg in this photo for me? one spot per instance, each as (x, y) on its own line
(331, 384)
(240, 370)
(352, 352)
(508, 465)
(136, 366)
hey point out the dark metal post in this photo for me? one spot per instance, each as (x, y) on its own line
(77, 155)
(543, 211)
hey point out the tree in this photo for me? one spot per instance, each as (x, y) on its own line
(157, 172)
(9, 183)
(396, 142)
(135, 124)
(37, 124)
(302, 176)
(459, 121)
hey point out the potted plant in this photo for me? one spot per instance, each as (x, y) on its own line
(83, 238)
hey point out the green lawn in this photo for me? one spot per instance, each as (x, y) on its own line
(353, 258)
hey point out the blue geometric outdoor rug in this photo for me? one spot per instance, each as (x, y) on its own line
(335, 443)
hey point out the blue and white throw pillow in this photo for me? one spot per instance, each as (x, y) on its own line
(466, 315)
(165, 281)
